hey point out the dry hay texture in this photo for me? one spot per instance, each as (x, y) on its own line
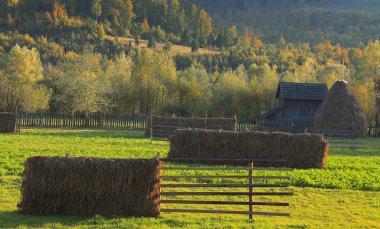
(8, 122)
(341, 111)
(89, 186)
(228, 124)
(300, 150)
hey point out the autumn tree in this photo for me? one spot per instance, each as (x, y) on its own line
(153, 77)
(192, 91)
(263, 83)
(117, 79)
(231, 96)
(230, 37)
(369, 69)
(173, 16)
(205, 27)
(78, 84)
(20, 78)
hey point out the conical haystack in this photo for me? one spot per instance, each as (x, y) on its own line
(341, 111)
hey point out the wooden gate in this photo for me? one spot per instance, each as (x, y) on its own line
(251, 187)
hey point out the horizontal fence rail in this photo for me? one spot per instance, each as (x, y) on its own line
(226, 212)
(228, 177)
(250, 186)
(205, 160)
(223, 185)
(226, 193)
(223, 203)
(228, 168)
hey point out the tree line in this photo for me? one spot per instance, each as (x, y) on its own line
(144, 82)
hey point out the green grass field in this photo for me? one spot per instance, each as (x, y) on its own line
(345, 195)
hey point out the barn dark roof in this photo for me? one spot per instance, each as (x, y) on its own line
(301, 91)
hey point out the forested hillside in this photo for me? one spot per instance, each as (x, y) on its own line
(83, 56)
(348, 22)
(73, 23)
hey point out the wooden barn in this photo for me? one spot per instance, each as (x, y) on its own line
(297, 105)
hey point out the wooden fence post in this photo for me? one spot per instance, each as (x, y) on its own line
(151, 126)
(159, 182)
(250, 165)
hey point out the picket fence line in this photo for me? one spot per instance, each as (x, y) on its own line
(131, 122)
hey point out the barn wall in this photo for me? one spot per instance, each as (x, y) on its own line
(300, 109)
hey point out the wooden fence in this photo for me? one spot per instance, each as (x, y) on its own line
(138, 122)
(374, 131)
(132, 122)
(166, 205)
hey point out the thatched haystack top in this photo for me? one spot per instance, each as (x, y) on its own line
(340, 110)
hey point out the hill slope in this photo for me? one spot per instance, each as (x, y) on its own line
(348, 22)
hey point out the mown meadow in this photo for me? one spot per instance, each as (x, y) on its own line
(345, 195)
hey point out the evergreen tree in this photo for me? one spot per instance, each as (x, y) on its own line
(96, 8)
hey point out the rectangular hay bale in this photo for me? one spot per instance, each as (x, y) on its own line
(8, 122)
(90, 186)
(300, 150)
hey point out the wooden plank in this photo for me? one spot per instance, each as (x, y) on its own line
(228, 177)
(342, 147)
(228, 168)
(224, 212)
(226, 193)
(224, 203)
(157, 132)
(161, 135)
(160, 139)
(220, 160)
(169, 127)
(224, 185)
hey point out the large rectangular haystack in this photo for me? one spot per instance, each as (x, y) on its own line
(8, 122)
(300, 150)
(168, 125)
(89, 186)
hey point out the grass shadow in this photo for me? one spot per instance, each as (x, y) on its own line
(14, 219)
